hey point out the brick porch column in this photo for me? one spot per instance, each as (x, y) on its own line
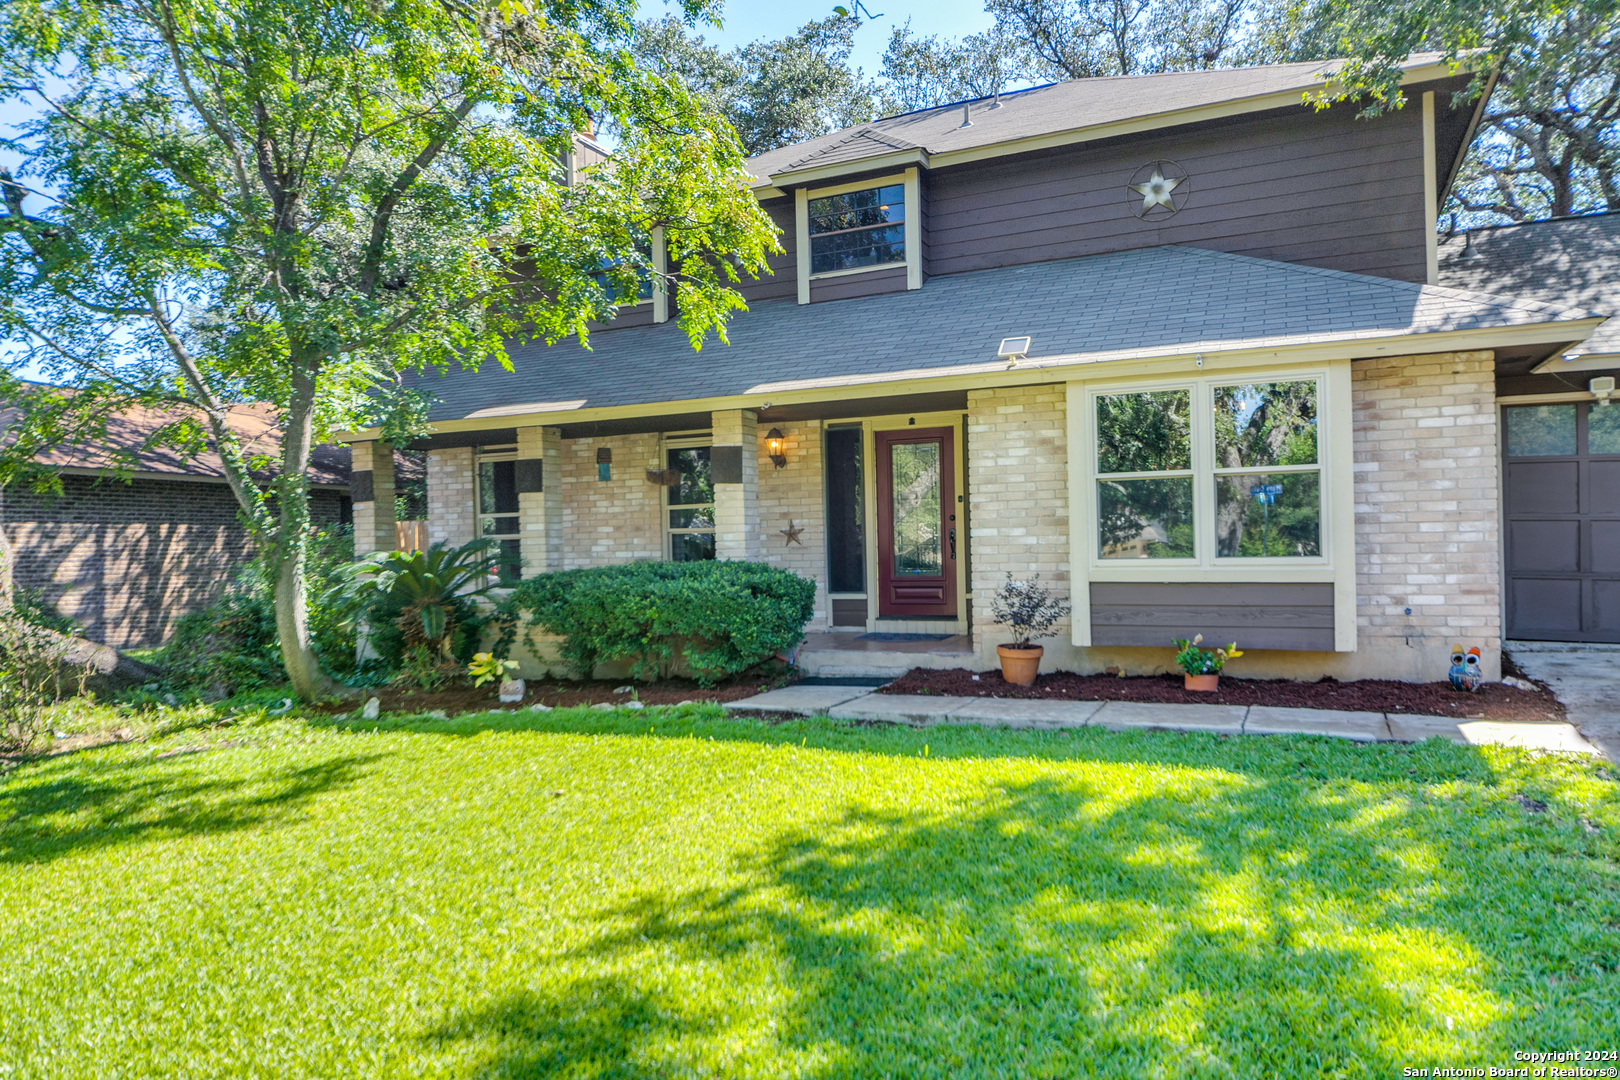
(371, 486)
(539, 484)
(451, 520)
(734, 461)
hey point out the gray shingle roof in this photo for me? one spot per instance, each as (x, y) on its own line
(1569, 261)
(1153, 302)
(1046, 110)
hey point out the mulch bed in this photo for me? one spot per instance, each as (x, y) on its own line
(1493, 701)
(557, 693)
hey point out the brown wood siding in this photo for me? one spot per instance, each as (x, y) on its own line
(783, 282)
(639, 315)
(849, 612)
(1255, 615)
(1324, 190)
(872, 283)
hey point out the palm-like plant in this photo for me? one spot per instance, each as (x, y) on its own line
(428, 594)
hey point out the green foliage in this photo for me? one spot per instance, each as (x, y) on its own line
(488, 668)
(1028, 609)
(419, 606)
(717, 618)
(34, 676)
(31, 606)
(1196, 661)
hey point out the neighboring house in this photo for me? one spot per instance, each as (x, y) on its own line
(1561, 485)
(124, 558)
(1244, 407)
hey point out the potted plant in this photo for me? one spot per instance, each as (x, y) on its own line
(1203, 666)
(1029, 610)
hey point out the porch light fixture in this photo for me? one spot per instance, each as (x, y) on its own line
(604, 463)
(1013, 349)
(773, 444)
(1601, 388)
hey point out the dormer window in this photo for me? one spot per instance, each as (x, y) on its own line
(858, 228)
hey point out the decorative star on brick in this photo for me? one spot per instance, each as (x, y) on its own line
(792, 534)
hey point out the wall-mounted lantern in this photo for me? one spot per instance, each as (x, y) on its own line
(773, 445)
(604, 463)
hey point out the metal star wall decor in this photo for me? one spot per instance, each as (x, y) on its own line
(1158, 190)
(792, 534)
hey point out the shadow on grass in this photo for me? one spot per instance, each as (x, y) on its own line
(89, 804)
(1162, 909)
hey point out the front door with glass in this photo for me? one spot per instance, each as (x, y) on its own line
(916, 523)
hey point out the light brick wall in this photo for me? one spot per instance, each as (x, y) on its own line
(1428, 534)
(541, 512)
(795, 493)
(451, 518)
(736, 506)
(1018, 500)
(610, 521)
(374, 517)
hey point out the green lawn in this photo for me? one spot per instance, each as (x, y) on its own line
(670, 894)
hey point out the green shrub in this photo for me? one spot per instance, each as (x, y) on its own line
(719, 618)
(35, 674)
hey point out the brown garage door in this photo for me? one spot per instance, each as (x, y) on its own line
(1563, 522)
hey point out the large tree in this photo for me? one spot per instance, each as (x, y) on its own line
(292, 201)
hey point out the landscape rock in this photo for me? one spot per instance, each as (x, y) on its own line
(437, 714)
(624, 689)
(633, 705)
(372, 709)
(537, 707)
(604, 706)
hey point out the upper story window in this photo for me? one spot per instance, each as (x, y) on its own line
(1244, 484)
(858, 228)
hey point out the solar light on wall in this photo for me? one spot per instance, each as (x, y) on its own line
(1601, 388)
(1013, 349)
(604, 463)
(774, 446)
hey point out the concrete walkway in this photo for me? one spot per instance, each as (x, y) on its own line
(1586, 679)
(860, 703)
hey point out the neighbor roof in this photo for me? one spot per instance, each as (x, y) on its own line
(1570, 261)
(1075, 106)
(1163, 301)
(255, 425)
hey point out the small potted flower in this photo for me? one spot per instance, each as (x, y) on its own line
(485, 668)
(1203, 666)
(1029, 610)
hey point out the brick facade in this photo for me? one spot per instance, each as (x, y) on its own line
(451, 519)
(795, 494)
(1428, 534)
(615, 520)
(126, 560)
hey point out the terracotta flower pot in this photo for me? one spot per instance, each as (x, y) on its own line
(1202, 684)
(1018, 666)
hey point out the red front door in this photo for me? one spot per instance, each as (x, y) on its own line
(916, 519)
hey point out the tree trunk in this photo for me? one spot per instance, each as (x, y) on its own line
(309, 681)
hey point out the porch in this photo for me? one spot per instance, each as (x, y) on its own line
(854, 653)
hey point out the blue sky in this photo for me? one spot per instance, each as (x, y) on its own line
(749, 20)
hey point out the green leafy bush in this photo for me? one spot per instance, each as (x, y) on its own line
(35, 674)
(719, 618)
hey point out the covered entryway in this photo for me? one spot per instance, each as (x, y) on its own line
(1562, 492)
(916, 518)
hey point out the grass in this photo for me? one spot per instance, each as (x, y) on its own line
(671, 894)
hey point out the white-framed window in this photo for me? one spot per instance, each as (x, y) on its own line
(854, 229)
(689, 501)
(1209, 473)
(496, 499)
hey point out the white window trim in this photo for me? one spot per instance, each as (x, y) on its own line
(1335, 463)
(911, 181)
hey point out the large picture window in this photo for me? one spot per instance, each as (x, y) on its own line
(1213, 470)
(691, 505)
(497, 499)
(858, 228)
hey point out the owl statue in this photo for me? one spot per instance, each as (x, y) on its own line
(1465, 673)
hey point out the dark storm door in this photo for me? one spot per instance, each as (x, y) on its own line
(916, 523)
(1562, 488)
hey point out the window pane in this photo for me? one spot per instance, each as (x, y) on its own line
(1603, 429)
(1144, 432)
(914, 473)
(1261, 424)
(872, 206)
(863, 247)
(701, 518)
(1145, 519)
(695, 485)
(500, 526)
(1541, 430)
(497, 487)
(1279, 515)
(691, 547)
(510, 567)
(846, 547)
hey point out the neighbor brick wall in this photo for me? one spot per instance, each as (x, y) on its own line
(610, 521)
(126, 560)
(1428, 535)
(1018, 497)
(795, 493)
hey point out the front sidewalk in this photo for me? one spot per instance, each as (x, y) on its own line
(862, 703)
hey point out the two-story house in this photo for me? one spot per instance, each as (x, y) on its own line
(1173, 342)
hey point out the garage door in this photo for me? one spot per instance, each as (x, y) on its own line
(1563, 521)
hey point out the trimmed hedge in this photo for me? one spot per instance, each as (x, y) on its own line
(720, 618)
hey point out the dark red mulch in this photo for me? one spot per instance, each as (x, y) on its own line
(559, 693)
(1493, 701)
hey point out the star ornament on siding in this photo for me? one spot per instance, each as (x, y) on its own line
(1156, 191)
